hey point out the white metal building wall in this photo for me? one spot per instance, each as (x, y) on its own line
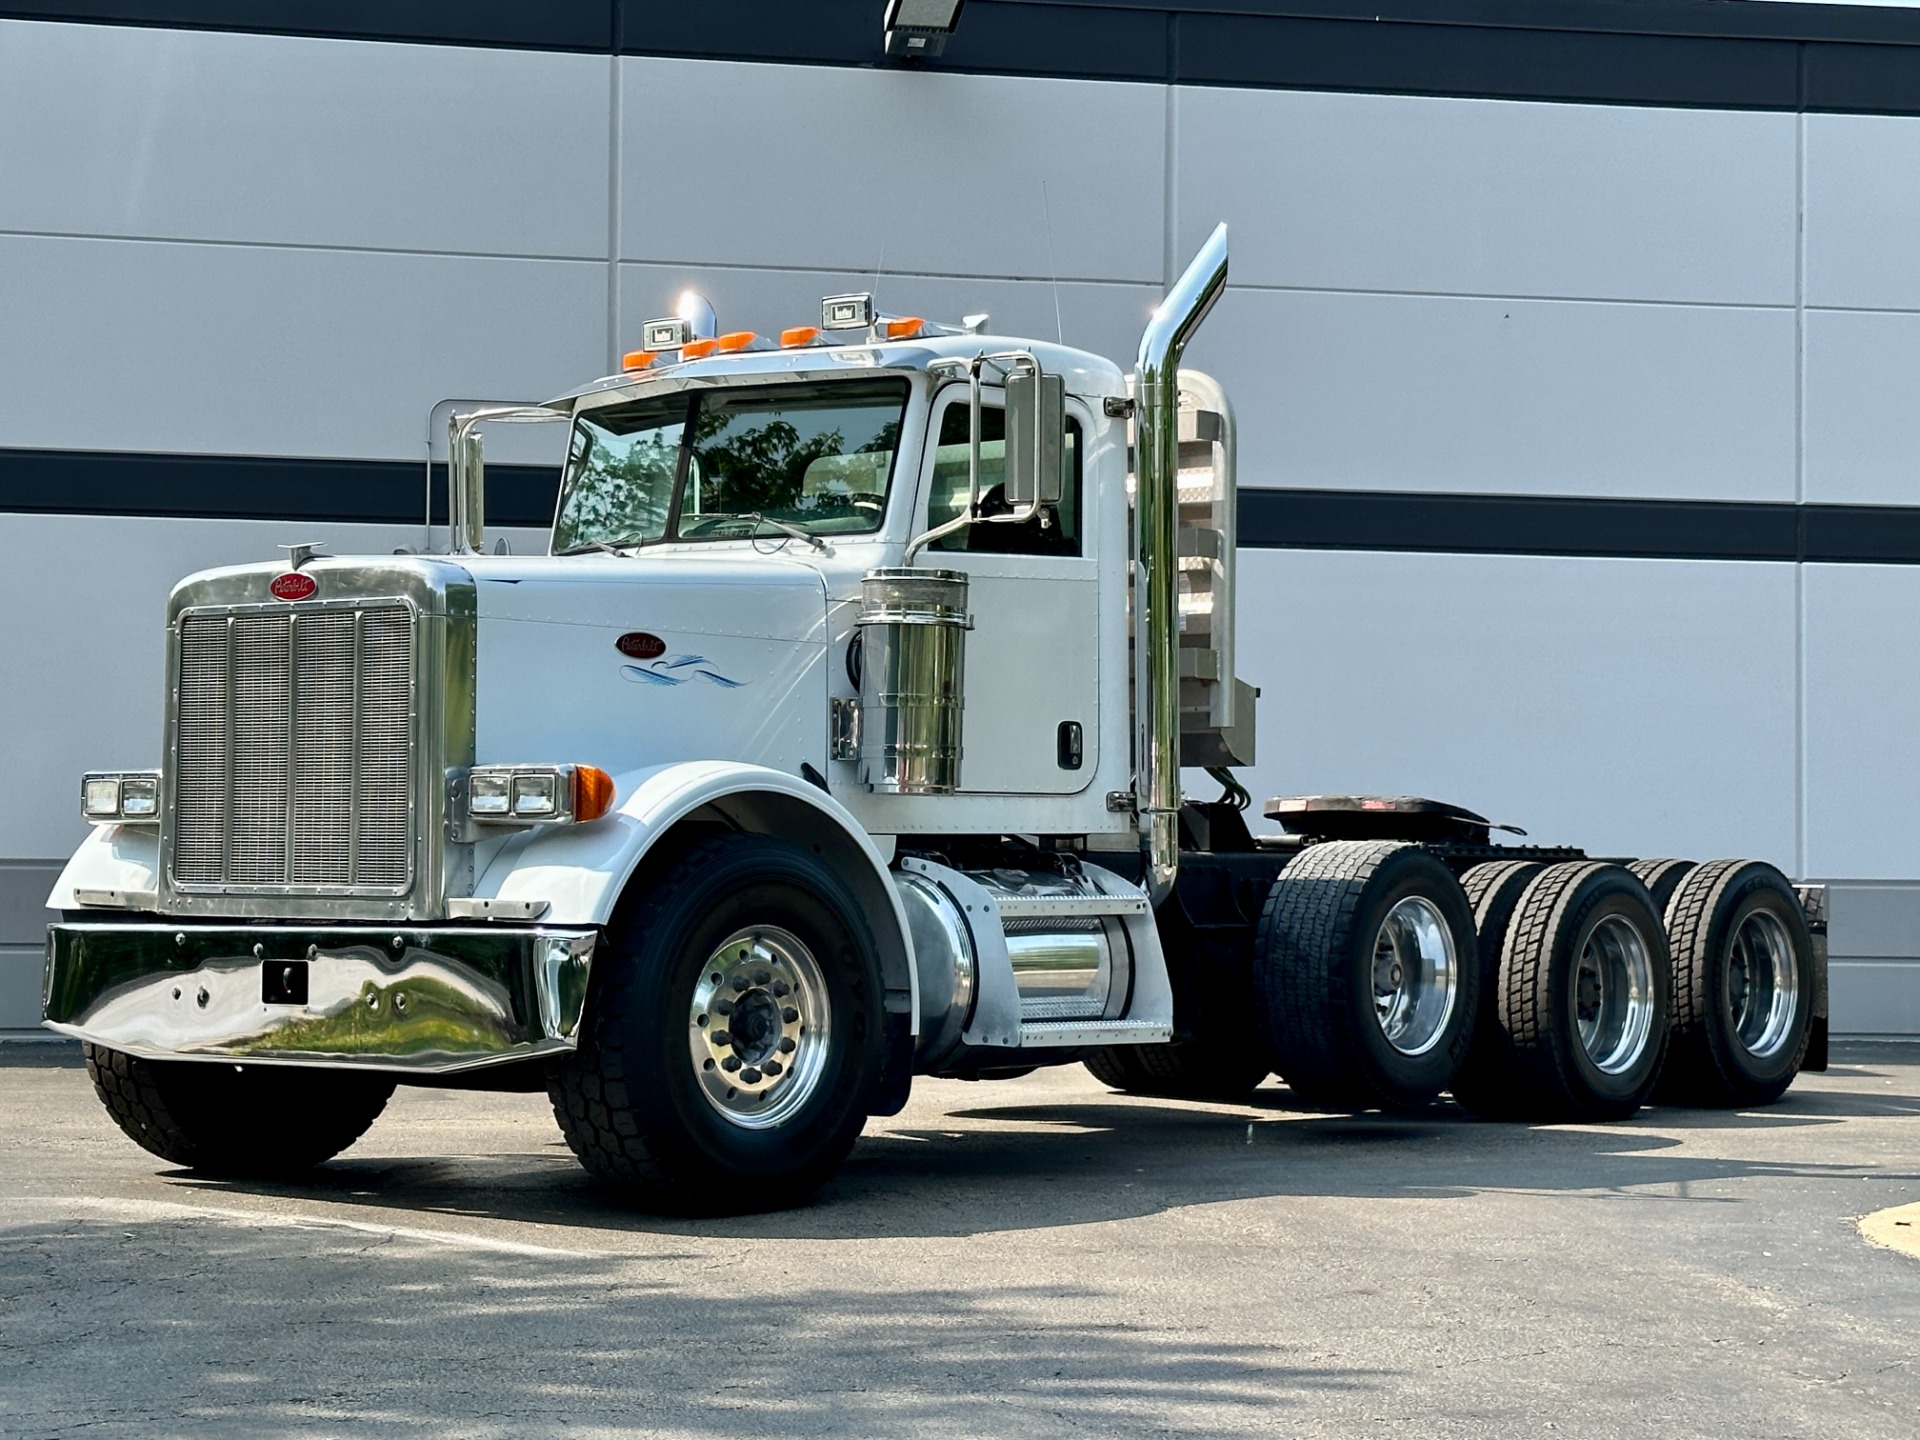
(225, 244)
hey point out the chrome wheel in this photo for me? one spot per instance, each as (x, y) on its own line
(1613, 995)
(1416, 976)
(758, 1029)
(1763, 986)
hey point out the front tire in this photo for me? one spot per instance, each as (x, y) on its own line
(1366, 976)
(733, 1040)
(236, 1120)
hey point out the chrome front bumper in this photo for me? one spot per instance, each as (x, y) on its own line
(422, 1001)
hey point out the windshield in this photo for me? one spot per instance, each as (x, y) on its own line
(725, 464)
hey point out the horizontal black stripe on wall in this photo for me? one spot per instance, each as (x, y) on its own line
(1719, 53)
(244, 487)
(1578, 526)
(248, 487)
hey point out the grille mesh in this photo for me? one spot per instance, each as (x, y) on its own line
(293, 767)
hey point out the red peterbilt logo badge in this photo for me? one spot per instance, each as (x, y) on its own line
(640, 645)
(292, 586)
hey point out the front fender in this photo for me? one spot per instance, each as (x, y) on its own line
(580, 871)
(117, 861)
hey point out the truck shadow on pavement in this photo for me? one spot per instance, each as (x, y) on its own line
(195, 1326)
(1021, 1166)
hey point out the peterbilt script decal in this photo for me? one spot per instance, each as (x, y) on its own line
(678, 670)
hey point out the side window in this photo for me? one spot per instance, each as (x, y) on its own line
(1054, 531)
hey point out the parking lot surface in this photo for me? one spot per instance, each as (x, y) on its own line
(1036, 1257)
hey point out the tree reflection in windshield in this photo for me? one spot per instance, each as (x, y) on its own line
(817, 457)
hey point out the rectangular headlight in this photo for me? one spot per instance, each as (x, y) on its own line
(140, 796)
(536, 794)
(127, 796)
(487, 792)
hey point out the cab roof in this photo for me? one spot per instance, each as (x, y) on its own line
(1084, 373)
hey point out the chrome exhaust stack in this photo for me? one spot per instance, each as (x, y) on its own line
(1157, 515)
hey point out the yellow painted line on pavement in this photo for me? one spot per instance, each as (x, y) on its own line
(1897, 1229)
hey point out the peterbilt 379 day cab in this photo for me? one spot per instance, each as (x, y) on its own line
(837, 739)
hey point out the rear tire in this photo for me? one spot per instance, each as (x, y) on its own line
(1489, 1083)
(1742, 986)
(1585, 989)
(733, 1041)
(1366, 975)
(236, 1120)
(1662, 878)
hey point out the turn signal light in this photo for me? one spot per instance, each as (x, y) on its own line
(592, 793)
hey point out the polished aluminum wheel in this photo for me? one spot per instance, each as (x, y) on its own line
(758, 1030)
(1416, 976)
(1763, 986)
(1613, 995)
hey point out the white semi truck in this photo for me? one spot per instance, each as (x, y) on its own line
(837, 739)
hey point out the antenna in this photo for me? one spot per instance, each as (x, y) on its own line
(1046, 209)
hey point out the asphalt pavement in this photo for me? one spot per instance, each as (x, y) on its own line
(1028, 1258)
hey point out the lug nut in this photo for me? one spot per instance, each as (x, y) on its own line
(740, 983)
(782, 989)
(730, 1064)
(773, 1067)
(786, 1047)
(723, 1037)
(750, 1075)
(762, 977)
(789, 1015)
(723, 1007)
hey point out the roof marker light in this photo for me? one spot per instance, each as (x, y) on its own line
(638, 359)
(668, 334)
(847, 312)
(738, 340)
(698, 349)
(904, 328)
(799, 335)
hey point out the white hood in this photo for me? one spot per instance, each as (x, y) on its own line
(624, 662)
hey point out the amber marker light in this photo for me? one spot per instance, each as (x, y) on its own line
(904, 328)
(592, 793)
(735, 340)
(798, 335)
(698, 349)
(638, 359)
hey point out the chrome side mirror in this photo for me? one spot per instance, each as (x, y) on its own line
(1036, 433)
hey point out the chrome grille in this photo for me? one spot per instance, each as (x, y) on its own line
(294, 763)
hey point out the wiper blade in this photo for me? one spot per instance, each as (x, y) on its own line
(610, 547)
(784, 525)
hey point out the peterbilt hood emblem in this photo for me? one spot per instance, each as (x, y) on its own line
(640, 645)
(292, 586)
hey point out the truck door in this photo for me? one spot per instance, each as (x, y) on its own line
(1033, 660)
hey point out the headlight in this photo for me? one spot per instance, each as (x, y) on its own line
(120, 796)
(487, 792)
(537, 794)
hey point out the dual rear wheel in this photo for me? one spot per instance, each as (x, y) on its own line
(1531, 991)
